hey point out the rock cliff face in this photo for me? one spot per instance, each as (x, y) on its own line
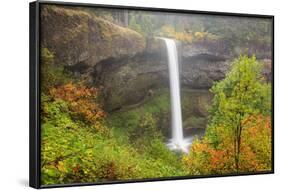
(77, 37)
(128, 80)
(128, 66)
(200, 71)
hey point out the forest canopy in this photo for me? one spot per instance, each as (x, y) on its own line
(235, 31)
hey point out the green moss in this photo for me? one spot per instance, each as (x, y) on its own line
(71, 22)
(130, 119)
(47, 57)
(194, 103)
(195, 122)
(51, 74)
(111, 32)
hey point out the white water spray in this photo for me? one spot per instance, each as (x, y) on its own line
(177, 142)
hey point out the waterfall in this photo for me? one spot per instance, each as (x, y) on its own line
(177, 142)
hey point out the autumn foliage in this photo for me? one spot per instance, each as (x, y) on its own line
(255, 153)
(238, 137)
(81, 101)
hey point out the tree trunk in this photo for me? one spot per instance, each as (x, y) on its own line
(239, 144)
(235, 149)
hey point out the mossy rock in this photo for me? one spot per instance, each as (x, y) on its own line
(75, 36)
(159, 106)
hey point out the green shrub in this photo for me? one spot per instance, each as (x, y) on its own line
(52, 74)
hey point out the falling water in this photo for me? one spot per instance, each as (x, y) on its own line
(177, 142)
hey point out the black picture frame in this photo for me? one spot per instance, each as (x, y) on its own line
(34, 75)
